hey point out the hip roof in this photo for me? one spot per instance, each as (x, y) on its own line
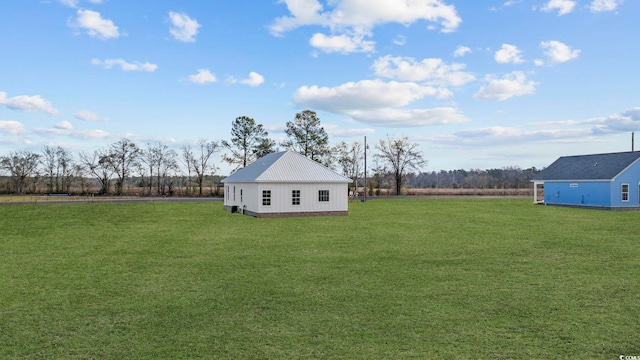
(286, 166)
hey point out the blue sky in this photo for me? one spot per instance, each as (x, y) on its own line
(478, 84)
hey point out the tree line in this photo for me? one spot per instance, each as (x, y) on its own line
(508, 177)
(155, 169)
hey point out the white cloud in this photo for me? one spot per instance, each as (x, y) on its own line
(352, 20)
(341, 43)
(11, 128)
(502, 135)
(203, 76)
(566, 130)
(511, 3)
(124, 65)
(334, 131)
(378, 102)
(550, 137)
(86, 115)
(624, 122)
(508, 54)
(604, 5)
(66, 129)
(254, 79)
(493, 131)
(461, 51)
(183, 27)
(410, 117)
(95, 25)
(563, 6)
(505, 5)
(400, 40)
(70, 3)
(432, 71)
(367, 14)
(513, 84)
(305, 12)
(64, 125)
(362, 95)
(28, 103)
(557, 52)
(74, 3)
(91, 134)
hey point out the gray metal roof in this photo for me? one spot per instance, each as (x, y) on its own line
(286, 166)
(588, 167)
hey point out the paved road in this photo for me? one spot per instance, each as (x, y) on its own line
(89, 200)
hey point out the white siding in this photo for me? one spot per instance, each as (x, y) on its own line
(281, 197)
(245, 195)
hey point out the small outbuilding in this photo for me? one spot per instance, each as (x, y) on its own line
(286, 184)
(601, 180)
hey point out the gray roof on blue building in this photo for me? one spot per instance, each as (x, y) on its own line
(588, 167)
(286, 166)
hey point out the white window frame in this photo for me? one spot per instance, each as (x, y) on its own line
(624, 195)
(323, 196)
(266, 197)
(295, 197)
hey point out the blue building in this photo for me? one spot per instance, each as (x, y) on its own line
(601, 181)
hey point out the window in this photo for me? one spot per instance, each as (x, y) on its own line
(234, 193)
(323, 195)
(240, 195)
(625, 192)
(266, 197)
(295, 197)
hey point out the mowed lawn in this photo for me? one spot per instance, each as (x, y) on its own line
(405, 278)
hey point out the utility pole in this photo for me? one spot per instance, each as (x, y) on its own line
(365, 168)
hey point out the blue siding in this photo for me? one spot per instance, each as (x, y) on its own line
(598, 180)
(585, 193)
(630, 176)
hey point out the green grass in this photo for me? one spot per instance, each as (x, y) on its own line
(451, 278)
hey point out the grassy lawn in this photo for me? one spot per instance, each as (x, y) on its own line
(442, 278)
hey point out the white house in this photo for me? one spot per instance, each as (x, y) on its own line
(286, 184)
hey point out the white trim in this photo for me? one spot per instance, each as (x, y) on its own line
(622, 192)
(625, 169)
(535, 192)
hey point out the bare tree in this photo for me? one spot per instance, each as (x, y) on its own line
(139, 169)
(149, 156)
(50, 168)
(78, 172)
(121, 156)
(159, 159)
(167, 167)
(21, 166)
(187, 160)
(401, 156)
(58, 166)
(350, 158)
(101, 170)
(199, 162)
